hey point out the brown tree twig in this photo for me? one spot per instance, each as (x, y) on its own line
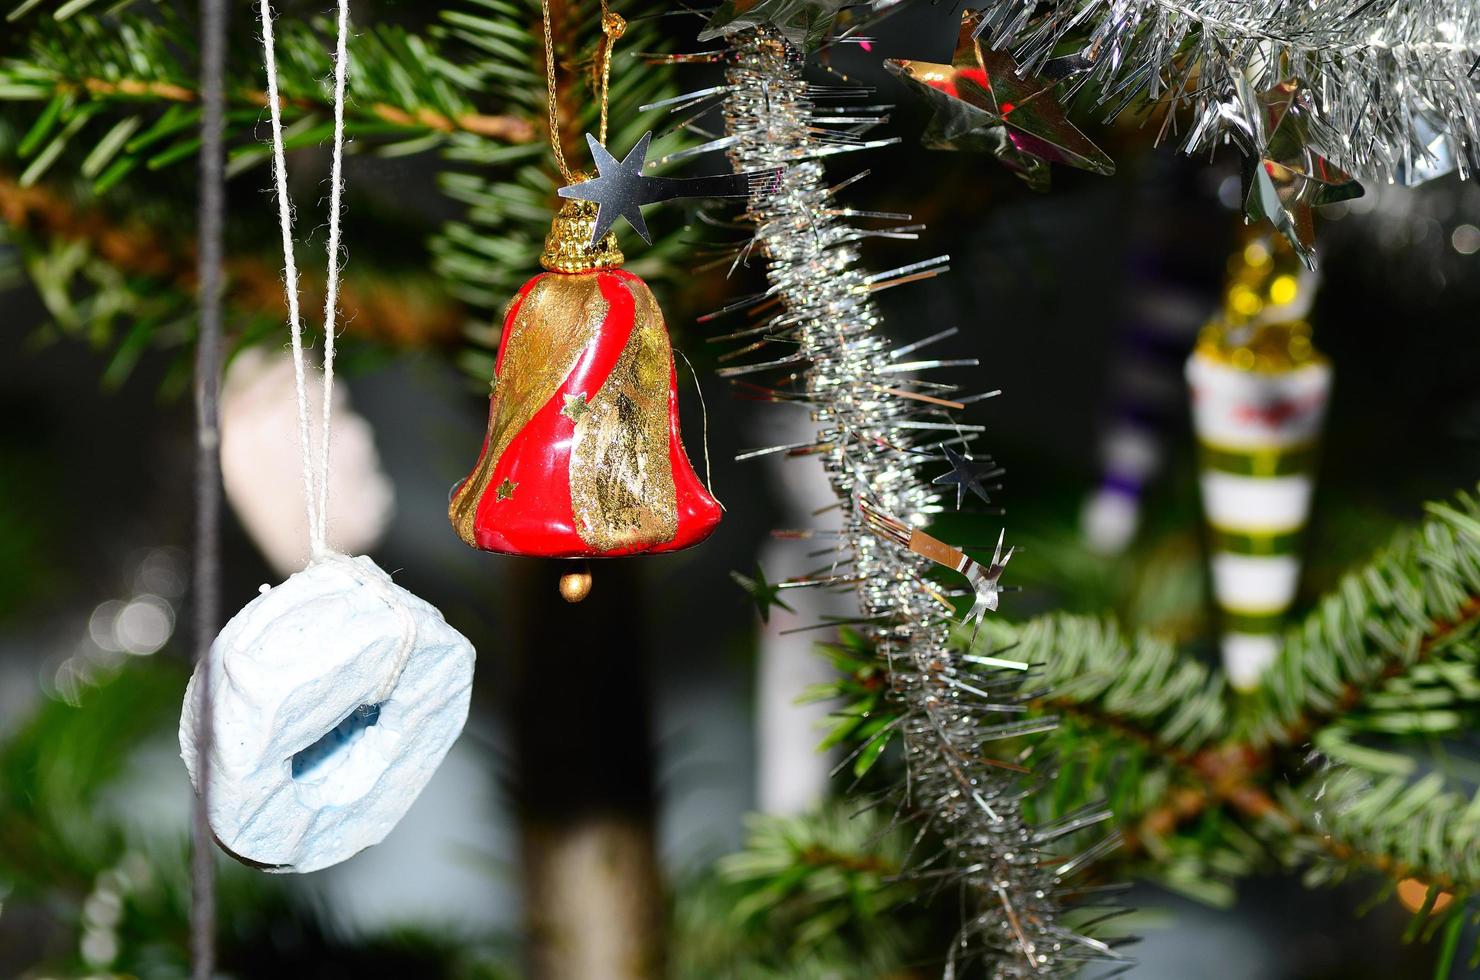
(1300, 730)
(509, 128)
(391, 312)
(1233, 773)
(819, 856)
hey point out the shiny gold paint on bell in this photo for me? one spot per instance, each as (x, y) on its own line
(555, 321)
(621, 478)
(575, 407)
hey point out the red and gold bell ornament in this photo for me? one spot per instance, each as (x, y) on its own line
(583, 458)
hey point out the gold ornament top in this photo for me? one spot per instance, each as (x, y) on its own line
(1261, 327)
(1275, 348)
(568, 247)
(1266, 281)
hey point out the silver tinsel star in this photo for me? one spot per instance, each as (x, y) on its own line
(1388, 81)
(966, 475)
(765, 594)
(619, 191)
(983, 100)
(984, 582)
(621, 188)
(1284, 176)
(983, 579)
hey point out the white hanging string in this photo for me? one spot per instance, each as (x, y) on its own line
(315, 479)
(704, 410)
(331, 288)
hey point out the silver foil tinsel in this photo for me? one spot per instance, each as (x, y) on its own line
(875, 433)
(1395, 84)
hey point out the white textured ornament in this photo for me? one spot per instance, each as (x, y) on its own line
(335, 697)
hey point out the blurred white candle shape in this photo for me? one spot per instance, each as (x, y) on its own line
(260, 463)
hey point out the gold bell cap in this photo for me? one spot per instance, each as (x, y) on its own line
(568, 247)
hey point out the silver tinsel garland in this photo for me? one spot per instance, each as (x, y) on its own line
(878, 425)
(1394, 85)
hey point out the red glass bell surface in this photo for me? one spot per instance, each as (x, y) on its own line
(583, 458)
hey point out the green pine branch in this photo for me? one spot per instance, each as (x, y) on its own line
(812, 895)
(126, 286)
(101, 103)
(1408, 618)
(116, 893)
(122, 87)
(1397, 826)
(508, 191)
(1207, 785)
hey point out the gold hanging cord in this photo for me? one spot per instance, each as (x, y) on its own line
(612, 27)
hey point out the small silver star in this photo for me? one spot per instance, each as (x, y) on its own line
(966, 475)
(621, 188)
(984, 584)
(618, 190)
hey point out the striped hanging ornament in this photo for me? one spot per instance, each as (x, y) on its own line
(1259, 391)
